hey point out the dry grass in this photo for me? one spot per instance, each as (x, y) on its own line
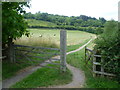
(34, 41)
(51, 38)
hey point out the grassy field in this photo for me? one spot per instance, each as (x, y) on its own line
(53, 36)
(33, 22)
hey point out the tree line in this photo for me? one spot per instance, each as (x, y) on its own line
(82, 22)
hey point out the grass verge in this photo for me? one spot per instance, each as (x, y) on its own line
(9, 70)
(44, 77)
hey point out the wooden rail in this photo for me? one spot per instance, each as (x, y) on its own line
(39, 52)
(36, 47)
(31, 56)
(28, 52)
(90, 55)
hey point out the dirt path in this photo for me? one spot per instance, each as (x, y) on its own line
(77, 82)
(78, 79)
(80, 47)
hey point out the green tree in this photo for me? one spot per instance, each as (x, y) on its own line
(102, 20)
(13, 24)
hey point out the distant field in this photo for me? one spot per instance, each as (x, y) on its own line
(53, 35)
(33, 22)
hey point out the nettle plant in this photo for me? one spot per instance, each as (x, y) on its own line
(108, 45)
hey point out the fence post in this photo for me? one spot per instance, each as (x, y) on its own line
(11, 52)
(94, 66)
(63, 49)
(13, 48)
(85, 53)
(102, 69)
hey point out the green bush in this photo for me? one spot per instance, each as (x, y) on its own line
(108, 45)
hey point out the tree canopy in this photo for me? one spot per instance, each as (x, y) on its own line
(82, 20)
(13, 24)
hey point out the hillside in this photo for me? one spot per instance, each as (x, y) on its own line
(82, 22)
(33, 23)
(39, 23)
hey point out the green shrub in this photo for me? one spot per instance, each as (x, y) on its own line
(108, 45)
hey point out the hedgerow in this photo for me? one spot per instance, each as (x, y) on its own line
(108, 45)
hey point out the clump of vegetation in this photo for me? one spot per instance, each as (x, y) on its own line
(108, 45)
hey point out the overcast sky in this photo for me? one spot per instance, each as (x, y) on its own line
(94, 8)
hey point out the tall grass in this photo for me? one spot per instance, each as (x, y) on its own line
(37, 41)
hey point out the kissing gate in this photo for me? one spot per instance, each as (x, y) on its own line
(48, 57)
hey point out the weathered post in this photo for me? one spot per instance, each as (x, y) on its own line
(85, 53)
(102, 69)
(63, 49)
(94, 66)
(11, 50)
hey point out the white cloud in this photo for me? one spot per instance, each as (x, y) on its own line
(94, 8)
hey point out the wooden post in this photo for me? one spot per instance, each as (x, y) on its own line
(11, 53)
(85, 53)
(102, 69)
(63, 49)
(94, 66)
(11, 50)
